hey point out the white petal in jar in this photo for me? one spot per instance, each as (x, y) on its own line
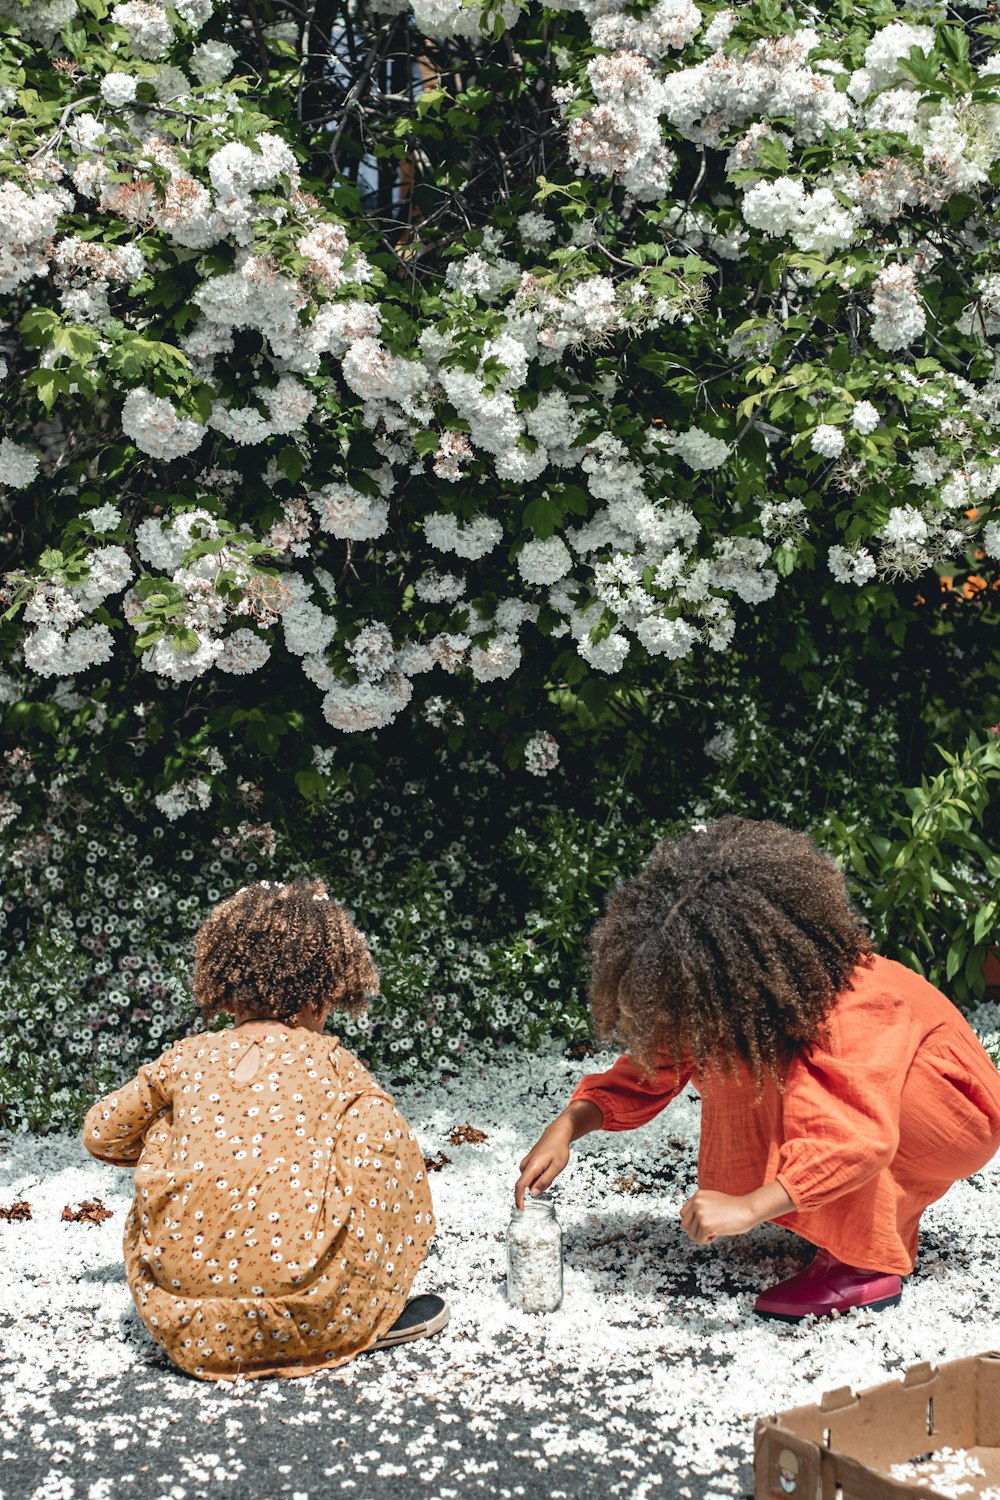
(534, 1257)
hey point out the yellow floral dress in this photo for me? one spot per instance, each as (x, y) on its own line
(278, 1222)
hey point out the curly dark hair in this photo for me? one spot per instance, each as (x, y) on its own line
(273, 950)
(730, 946)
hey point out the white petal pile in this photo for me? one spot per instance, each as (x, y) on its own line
(652, 1372)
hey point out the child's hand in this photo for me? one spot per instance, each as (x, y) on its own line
(543, 1163)
(707, 1216)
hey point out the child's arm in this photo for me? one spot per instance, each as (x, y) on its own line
(115, 1126)
(620, 1099)
(708, 1216)
(550, 1153)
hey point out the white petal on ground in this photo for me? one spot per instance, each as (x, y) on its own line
(654, 1366)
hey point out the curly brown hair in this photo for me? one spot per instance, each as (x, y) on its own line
(273, 950)
(730, 946)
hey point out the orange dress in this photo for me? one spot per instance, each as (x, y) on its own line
(277, 1223)
(867, 1131)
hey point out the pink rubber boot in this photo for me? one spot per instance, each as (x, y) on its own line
(828, 1286)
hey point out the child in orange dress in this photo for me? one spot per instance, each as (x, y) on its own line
(841, 1093)
(281, 1205)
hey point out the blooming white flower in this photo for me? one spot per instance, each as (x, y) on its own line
(149, 30)
(699, 449)
(499, 660)
(170, 83)
(51, 653)
(669, 25)
(544, 561)
(541, 753)
(103, 518)
(719, 29)
(156, 427)
(535, 229)
(665, 637)
(472, 539)
(864, 417)
(234, 170)
(242, 652)
(213, 61)
(118, 88)
(18, 467)
(183, 797)
(607, 655)
(827, 440)
(345, 512)
(110, 570)
(439, 588)
(782, 519)
(991, 539)
(851, 565)
(884, 53)
(356, 707)
(194, 13)
(307, 630)
(905, 526)
(170, 659)
(898, 314)
(723, 744)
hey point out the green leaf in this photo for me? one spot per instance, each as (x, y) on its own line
(49, 384)
(956, 957)
(542, 517)
(312, 785)
(81, 344)
(291, 464)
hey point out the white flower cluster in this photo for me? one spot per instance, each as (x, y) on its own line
(852, 565)
(381, 692)
(118, 88)
(149, 30)
(439, 588)
(864, 417)
(345, 512)
(235, 171)
(697, 448)
(471, 539)
(544, 562)
(541, 753)
(184, 797)
(52, 652)
(156, 426)
(898, 315)
(28, 222)
(827, 441)
(621, 136)
(60, 644)
(18, 466)
(815, 221)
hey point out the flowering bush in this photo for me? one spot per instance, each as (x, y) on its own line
(477, 907)
(602, 392)
(453, 358)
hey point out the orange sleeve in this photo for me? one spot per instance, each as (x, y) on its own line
(115, 1126)
(627, 1097)
(840, 1107)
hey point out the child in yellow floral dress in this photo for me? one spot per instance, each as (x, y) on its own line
(281, 1204)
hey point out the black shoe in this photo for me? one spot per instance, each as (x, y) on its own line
(421, 1317)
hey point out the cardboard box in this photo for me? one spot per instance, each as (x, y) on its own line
(843, 1447)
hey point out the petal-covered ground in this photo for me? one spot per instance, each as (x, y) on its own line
(645, 1384)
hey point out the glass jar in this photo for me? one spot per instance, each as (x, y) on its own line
(534, 1257)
